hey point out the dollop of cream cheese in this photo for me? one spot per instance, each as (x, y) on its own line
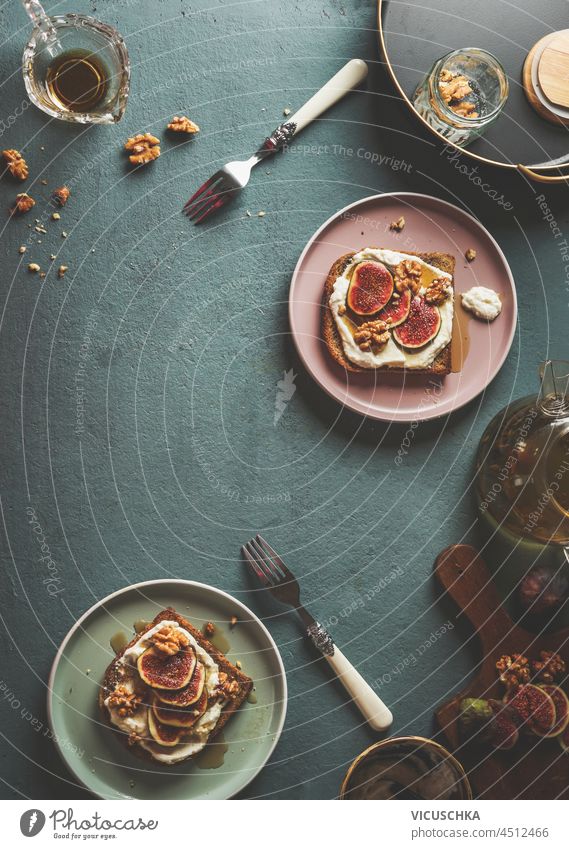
(482, 302)
(197, 737)
(391, 355)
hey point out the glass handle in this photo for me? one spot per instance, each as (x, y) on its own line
(40, 18)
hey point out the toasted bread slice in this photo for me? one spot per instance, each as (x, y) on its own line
(242, 683)
(442, 363)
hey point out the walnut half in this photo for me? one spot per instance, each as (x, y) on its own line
(407, 275)
(181, 124)
(437, 291)
(143, 148)
(169, 641)
(23, 203)
(372, 334)
(124, 701)
(16, 163)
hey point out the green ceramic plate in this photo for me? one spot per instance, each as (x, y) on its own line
(95, 755)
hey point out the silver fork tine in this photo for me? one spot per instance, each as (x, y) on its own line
(254, 565)
(203, 188)
(269, 565)
(204, 200)
(278, 560)
(211, 208)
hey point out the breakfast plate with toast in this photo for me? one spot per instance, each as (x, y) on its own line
(167, 689)
(402, 307)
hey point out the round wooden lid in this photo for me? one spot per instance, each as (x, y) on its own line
(553, 69)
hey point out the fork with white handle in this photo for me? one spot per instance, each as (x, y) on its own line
(229, 180)
(271, 571)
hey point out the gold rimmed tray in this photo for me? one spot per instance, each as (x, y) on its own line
(414, 33)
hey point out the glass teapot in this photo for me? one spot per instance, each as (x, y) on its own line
(522, 471)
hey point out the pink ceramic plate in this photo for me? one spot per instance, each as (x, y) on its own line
(431, 225)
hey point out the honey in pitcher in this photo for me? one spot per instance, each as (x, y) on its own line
(77, 80)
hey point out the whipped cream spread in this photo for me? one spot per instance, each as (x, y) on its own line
(197, 736)
(391, 355)
(482, 302)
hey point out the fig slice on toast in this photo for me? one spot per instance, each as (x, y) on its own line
(371, 287)
(166, 735)
(188, 695)
(167, 672)
(397, 310)
(421, 326)
(180, 717)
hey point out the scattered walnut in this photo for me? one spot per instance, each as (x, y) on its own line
(181, 124)
(454, 88)
(209, 629)
(407, 275)
(16, 163)
(397, 225)
(372, 334)
(169, 641)
(550, 667)
(470, 254)
(33, 267)
(142, 148)
(226, 688)
(23, 203)
(437, 291)
(55, 216)
(125, 701)
(61, 195)
(233, 622)
(514, 669)
(61, 270)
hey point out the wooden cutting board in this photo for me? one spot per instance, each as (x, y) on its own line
(534, 769)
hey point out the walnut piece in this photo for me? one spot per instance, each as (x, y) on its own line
(169, 641)
(16, 163)
(514, 669)
(227, 688)
(470, 254)
(550, 667)
(209, 629)
(437, 291)
(143, 148)
(372, 334)
(454, 88)
(61, 195)
(397, 225)
(407, 275)
(233, 621)
(126, 702)
(181, 124)
(23, 203)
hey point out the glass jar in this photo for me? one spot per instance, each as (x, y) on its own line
(463, 93)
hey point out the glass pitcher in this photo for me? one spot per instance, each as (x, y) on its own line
(90, 58)
(522, 473)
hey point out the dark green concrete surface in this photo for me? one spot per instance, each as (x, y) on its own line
(175, 338)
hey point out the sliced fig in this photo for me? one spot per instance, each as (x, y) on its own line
(561, 703)
(563, 740)
(397, 309)
(422, 324)
(371, 287)
(167, 672)
(533, 708)
(180, 717)
(187, 695)
(166, 735)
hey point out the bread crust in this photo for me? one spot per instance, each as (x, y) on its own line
(111, 679)
(442, 362)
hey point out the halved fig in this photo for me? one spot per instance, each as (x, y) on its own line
(561, 703)
(166, 735)
(422, 324)
(180, 717)
(533, 708)
(371, 287)
(397, 309)
(167, 672)
(187, 695)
